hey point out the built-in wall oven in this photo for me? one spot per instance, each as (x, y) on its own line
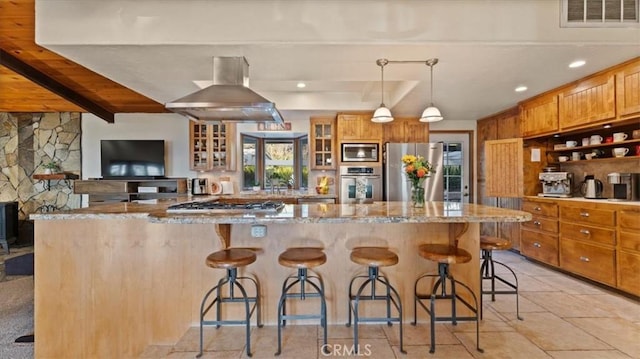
(360, 184)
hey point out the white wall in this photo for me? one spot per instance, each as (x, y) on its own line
(172, 128)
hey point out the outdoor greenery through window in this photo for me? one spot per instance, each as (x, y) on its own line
(275, 162)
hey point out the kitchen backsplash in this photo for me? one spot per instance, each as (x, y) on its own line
(600, 169)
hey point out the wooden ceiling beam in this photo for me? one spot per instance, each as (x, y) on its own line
(42, 79)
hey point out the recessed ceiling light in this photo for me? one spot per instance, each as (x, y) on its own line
(521, 88)
(301, 85)
(577, 63)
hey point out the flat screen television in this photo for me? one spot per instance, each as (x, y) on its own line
(132, 159)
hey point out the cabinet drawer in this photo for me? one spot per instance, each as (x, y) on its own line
(542, 224)
(590, 261)
(541, 208)
(588, 233)
(543, 247)
(629, 272)
(629, 240)
(598, 217)
(629, 219)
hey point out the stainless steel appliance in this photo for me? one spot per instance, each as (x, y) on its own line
(199, 186)
(360, 184)
(591, 187)
(396, 185)
(626, 186)
(360, 152)
(556, 184)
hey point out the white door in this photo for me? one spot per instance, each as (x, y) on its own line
(457, 165)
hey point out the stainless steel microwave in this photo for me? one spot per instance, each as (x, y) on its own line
(360, 152)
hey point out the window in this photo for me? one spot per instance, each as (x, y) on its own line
(599, 13)
(281, 162)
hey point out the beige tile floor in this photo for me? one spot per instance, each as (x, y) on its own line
(564, 318)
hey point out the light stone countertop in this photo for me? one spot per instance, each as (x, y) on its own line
(378, 212)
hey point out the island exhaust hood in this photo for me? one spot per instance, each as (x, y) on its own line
(229, 99)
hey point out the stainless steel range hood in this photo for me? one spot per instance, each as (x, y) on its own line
(229, 98)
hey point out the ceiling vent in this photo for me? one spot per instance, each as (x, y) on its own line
(599, 13)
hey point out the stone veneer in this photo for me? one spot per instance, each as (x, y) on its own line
(28, 140)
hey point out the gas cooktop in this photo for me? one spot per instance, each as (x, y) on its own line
(217, 206)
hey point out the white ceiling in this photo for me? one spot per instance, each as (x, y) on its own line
(485, 48)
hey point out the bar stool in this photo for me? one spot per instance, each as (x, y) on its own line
(374, 258)
(487, 270)
(303, 259)
(231, 259)
(444, 255)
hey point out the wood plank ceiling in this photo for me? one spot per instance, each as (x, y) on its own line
(34, 79)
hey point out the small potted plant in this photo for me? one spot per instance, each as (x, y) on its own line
(256, 186)
(50, 167)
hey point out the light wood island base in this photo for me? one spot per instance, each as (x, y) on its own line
(112, 287)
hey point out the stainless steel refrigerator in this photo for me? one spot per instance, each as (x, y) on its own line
(396, 185)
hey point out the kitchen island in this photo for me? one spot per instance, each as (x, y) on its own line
(112, 279)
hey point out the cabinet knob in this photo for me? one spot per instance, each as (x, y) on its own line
(537, 209)
(584, 259)
(584, 214)
(537, 245)
(537, 223)
(585, 231)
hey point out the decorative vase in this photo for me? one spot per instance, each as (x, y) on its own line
(417, 196)
(48, 171)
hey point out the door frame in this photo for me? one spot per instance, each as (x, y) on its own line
(472, 157)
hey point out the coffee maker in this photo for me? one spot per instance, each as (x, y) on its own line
(626, 186)
(556, 184)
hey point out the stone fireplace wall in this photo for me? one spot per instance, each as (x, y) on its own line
(29, 140)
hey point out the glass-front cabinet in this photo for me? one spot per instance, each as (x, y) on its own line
(211, 146)
(323, 143)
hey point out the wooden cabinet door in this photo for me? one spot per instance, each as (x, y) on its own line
(370, 131)
(322, 141)
(504, 174)
(405, 130)
(348, 127)
(199, 144)
(358, 127)
(212, 146)
(539, 116)
(416, 131)
(628, 90)
(588, 102)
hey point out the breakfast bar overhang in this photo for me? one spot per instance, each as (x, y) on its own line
(112, 279)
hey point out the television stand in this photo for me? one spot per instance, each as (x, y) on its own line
(127, 190)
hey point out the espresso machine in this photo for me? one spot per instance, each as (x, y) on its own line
(626, 186)
(556, 184)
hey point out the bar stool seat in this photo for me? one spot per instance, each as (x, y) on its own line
(487, 271)
(444, 255)
(231, 259)
(303, 259)
(494, 243)
(374, 258)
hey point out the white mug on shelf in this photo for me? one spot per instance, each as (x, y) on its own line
(619, 136)
(571, 143)
(620, 151)
(575, 156)
(585, 141)
(563, 158)
(595, 140)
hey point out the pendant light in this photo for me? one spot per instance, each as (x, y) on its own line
(382, 114)
(431, 113)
